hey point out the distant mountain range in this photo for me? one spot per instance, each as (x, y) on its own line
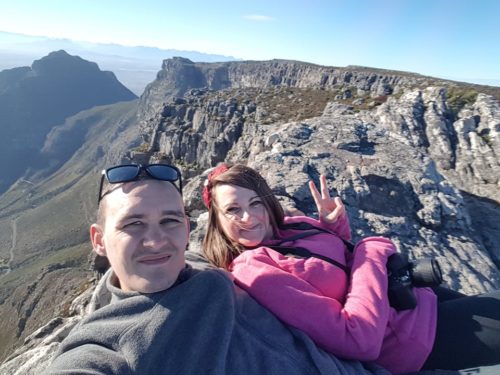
(135, 67)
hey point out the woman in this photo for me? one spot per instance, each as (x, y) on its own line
(339, 299)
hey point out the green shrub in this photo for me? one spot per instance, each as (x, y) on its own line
(144, 147)
(458, 97)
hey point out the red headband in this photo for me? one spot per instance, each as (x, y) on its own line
(207, 188)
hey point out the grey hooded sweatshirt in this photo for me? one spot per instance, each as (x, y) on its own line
(201, 325)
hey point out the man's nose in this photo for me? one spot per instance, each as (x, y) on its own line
(154, 238)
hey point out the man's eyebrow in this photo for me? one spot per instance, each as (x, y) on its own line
(177, 213)
(131, 216)
(173, 213)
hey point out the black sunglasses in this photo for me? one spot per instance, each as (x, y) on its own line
(132, 172)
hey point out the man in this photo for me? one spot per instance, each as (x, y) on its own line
(142, 235)
(166, 317)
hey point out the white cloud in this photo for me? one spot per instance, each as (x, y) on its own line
(258, 17)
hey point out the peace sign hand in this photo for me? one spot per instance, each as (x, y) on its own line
(329, 210)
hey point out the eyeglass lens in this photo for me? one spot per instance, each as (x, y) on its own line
(163, 172)
(122, 173)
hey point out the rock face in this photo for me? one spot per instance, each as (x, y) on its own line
(414, 158)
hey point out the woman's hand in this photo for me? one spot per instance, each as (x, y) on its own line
(329, 209)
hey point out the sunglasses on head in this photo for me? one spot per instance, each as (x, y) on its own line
(133, 172)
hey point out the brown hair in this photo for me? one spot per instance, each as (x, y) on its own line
(218, 248)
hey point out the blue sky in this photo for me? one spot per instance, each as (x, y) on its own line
(456, 39)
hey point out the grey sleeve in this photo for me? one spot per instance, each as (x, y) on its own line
(89, 359)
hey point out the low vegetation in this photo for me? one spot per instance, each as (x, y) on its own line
(459, 97)
(75, 256)
(144, 147)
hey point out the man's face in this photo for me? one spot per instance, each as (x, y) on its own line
(144, 235)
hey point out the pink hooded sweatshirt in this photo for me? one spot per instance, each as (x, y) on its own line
(345, 314)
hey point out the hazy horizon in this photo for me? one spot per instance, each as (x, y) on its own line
(451, 39)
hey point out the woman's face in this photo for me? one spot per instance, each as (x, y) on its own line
(242, 215)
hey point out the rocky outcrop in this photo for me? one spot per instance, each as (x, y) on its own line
(465, 148)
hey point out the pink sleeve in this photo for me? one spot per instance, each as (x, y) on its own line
(354, 329)
(340, 227)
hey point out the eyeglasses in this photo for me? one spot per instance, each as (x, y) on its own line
(132, 172)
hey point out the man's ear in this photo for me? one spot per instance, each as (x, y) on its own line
(96, 237)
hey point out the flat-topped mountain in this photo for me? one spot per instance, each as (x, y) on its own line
(35, 99)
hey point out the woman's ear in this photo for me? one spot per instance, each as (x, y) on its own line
(97, 239)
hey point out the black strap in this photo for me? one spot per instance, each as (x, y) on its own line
(308, 227)
(299, 235)
(300, 252)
